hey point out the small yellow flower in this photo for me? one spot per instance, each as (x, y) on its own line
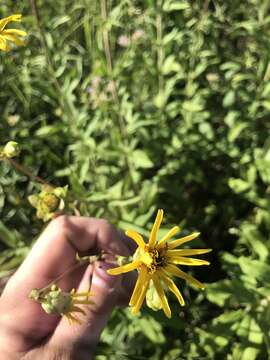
(56, 301)
(13, 35)
(156, 264)
(49, 201)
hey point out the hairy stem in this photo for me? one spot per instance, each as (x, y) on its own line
(27, 172)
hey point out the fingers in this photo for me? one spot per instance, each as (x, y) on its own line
(53, 253)
(55, 250)
(82, 338)
(129, 243)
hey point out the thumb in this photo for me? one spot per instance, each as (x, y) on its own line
(83, 338)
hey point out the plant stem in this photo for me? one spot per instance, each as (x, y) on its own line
(68, 271)
(108, 54)
(82, 261)
(28, 172)
(65, 105)
(160, 54)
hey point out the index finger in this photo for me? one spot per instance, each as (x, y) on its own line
(55, 250)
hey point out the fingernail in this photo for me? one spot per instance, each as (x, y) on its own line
(102, 278)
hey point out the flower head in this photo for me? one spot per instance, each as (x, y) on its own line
(49, 201)
(56, 301)
(123, 41)
(10, 35)
(156, 263)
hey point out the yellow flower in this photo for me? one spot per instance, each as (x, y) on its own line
(156, 264)
(56, 301)
(12, 35)
(49, 201)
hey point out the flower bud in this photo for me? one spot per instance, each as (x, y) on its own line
(11, 149)
(152, 298)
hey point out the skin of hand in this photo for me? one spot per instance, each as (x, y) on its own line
(26, 331)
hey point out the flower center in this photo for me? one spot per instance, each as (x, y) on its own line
(153, 258)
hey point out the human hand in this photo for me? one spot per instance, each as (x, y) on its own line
(26, 331)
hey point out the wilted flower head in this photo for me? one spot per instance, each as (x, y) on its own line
(123, 41)
(138, 34)
(156, 263)
(10, 35)
(49, 201)
(57, 302)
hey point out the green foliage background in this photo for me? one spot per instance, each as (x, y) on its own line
(185, 128)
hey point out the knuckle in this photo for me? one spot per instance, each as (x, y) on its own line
(60, 222)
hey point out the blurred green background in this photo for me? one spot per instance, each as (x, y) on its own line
(139, 105)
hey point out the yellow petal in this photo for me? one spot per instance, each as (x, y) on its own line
(161, 294)
(80, 294)
(187, 261)
(14, 39)
(182, 240)
(155, 228)
(175, 271)
(80, 302)
(146, 258)
(136, 308)
(171, 285)
(125, 268)
(16, 32)
(72, 319)
(3, 44)
(6, 20)
(187, 252)
(136, 237)
(138, 286)
(78, 309)
(169, 235)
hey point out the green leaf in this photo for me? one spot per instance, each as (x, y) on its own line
(152, 330)
(219, 292)
(10, 238)
(170, 65)
(229, 317)
(141, 159)
(235, 131)
(255, 269)
(206, 130)
(251, 235)
(172, 5)
(238, 185)
(250, 353)
(229, 99)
